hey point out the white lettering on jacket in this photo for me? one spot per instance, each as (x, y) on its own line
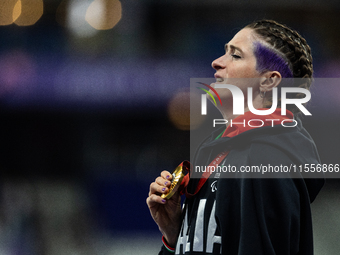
(183, 239)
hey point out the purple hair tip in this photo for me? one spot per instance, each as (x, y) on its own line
(268, 60)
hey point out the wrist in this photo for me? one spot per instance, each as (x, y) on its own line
(169, 247)
(170, 236)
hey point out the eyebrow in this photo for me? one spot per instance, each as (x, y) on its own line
(232, 47)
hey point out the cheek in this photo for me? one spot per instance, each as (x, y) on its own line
(243, 70)
(250, 71)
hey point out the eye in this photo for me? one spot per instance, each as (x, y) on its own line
(235, 56)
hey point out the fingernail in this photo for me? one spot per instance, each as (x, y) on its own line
(163, 200)
(163, 189)
(168, 176)
(165, 183)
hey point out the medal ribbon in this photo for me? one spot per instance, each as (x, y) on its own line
(183, 188)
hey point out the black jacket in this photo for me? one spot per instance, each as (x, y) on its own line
(243, 213)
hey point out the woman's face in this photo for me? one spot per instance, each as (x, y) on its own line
(239, 60)
(237, 66)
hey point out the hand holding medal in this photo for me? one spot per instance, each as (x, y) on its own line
(164, 201)
(177, 177)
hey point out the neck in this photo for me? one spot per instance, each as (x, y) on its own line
(228, 114)
(227, 111)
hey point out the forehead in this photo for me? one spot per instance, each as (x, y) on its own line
(244, 40)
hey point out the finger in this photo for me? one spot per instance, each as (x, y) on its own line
(157, 189)
(153, 200)
(163, 182)
(166, 175)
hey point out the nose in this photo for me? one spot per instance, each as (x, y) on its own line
(218, 63)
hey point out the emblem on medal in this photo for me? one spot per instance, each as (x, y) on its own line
(177, 177)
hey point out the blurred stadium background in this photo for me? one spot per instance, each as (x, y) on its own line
(89, 95)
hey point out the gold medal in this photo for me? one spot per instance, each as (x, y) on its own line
(177, 177)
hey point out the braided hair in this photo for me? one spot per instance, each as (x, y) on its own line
(292, 47)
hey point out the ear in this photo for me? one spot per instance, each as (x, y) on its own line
(270, 80)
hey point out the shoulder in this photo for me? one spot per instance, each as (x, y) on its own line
(292, 144)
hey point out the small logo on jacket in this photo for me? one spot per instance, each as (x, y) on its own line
(213, 186)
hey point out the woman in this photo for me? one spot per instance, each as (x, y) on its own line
(248, 215)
